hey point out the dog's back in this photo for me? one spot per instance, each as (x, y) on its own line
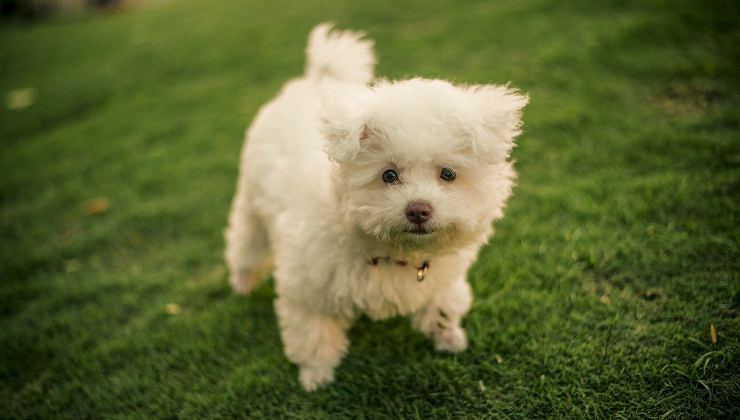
(285, 131)
(284, 151)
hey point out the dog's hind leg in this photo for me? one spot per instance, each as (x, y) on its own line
(247, 246)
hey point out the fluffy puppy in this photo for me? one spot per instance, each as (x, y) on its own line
(368, 199)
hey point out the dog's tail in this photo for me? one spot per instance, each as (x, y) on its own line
(344, 56)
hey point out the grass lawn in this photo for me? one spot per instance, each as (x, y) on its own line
(595, 297)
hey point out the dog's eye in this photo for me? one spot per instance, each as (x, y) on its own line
(447, 174)
(390, 176)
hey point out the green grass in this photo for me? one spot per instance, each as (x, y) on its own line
(594, 299)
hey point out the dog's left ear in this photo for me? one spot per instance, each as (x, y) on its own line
(342, 120)
(500, 120)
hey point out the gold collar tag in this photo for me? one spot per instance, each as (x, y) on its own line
(422, 271)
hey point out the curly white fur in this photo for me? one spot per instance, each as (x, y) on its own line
(311, 199)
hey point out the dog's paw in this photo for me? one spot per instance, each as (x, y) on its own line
(313, 377)
(243, 281)
(450, 339)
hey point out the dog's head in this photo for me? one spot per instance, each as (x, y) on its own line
(422, 164)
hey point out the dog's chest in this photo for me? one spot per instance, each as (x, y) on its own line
(387, 289)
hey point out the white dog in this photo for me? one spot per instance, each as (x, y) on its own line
(368, 199)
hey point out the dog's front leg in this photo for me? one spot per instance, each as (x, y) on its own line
(440, 318)
(315, 342)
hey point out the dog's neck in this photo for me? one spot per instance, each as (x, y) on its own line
(379, 253)
(385, 252)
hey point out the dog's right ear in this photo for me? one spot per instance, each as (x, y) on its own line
(342, 120)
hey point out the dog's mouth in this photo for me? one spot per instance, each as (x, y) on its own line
(419, 230)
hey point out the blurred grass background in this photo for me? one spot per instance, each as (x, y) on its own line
(595, 298)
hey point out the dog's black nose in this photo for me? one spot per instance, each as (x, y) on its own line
(418, 212)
